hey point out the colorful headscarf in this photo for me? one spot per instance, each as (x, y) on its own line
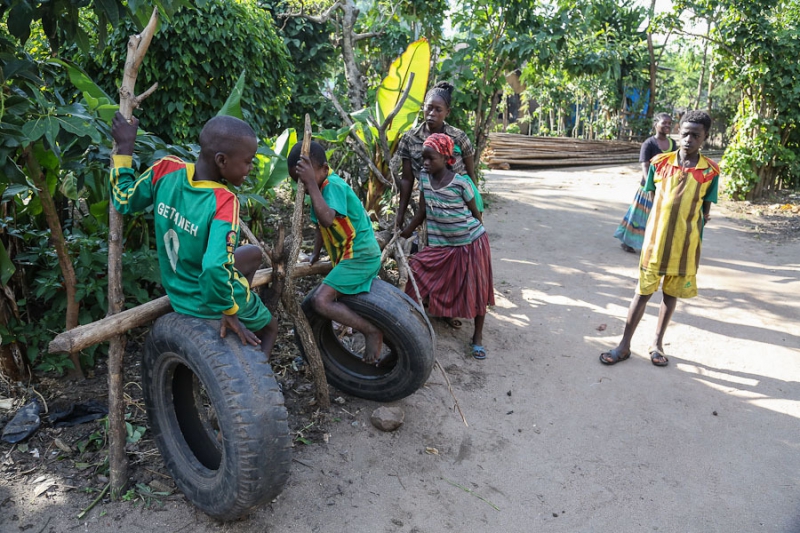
(443, 144)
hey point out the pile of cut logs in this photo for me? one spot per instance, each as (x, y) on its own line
(507, 150)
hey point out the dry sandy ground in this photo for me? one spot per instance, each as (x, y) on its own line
(556, 441)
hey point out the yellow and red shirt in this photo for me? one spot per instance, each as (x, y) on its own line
(673, 236)
(350, 236)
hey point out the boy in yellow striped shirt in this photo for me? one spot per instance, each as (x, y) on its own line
(685, 184)
(344, 227)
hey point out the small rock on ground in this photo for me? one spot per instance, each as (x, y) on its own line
(387, 418)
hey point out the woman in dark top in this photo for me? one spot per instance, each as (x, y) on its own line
(631, 230)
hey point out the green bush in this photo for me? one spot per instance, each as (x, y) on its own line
(196, 59)
(42, 310)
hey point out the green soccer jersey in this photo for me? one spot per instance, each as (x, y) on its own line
(197, 231)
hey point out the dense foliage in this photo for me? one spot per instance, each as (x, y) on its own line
(750, 39)
(196, 60)
(312, 57)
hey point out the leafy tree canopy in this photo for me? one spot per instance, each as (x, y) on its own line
(196, 59)
(751, 40)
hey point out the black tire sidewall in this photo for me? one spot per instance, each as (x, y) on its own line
(249, 407)
(405, 329)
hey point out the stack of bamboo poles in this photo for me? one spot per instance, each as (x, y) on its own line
(508, 150)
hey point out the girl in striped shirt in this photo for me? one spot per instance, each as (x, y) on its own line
(454, 273)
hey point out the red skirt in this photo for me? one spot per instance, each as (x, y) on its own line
(455, 280)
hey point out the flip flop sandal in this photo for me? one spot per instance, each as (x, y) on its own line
(613, 358)
(478, 352)
(658, 358)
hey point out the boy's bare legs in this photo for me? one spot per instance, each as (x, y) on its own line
(324, 301)
(668, 305)
(635, 314)
(268, 334)
(247, 259)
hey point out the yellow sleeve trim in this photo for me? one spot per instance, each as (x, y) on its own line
(232, 311)
(123, 161)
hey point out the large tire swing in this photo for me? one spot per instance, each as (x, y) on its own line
(217, 415)
(408, 345)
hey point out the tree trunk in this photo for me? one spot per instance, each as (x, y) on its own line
(653, 67)
(702, 69)
(505, 116)
(710, 100)
(14, 364)
(482, 135)
(88, 335)
(356, 91)
(117, 461)
(301, 325)
(60, 245)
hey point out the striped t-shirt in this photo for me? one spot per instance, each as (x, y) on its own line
(450, 221)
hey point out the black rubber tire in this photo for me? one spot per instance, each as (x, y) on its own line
(406, 333)
(239, 460)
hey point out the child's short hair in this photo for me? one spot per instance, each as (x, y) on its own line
(698, 117)
(316, 154)
(223, 133)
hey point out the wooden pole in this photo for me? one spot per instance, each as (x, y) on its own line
(118, 464)
(288, 299)
(82, 337)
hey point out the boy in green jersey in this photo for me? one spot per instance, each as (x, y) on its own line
(197, 225)
(344, 227)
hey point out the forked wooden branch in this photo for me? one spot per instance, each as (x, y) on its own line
(361, 147)
(288, 298)
(387, 123)
(118, 464)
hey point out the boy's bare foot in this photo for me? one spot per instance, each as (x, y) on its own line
(372, 349)
(657, 356)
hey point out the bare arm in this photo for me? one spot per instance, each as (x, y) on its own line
(645, 170)
(231, 322)
(325, 215)
(406, 186)
(706, 212)
(473, 207)
(419, 216)
(307, 174)
(469, 165)
(317, 247)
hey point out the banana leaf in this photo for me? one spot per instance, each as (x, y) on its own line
(416, 59)
(233, 105)
(96, 98)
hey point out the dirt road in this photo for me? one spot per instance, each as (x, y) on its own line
(556, 441)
